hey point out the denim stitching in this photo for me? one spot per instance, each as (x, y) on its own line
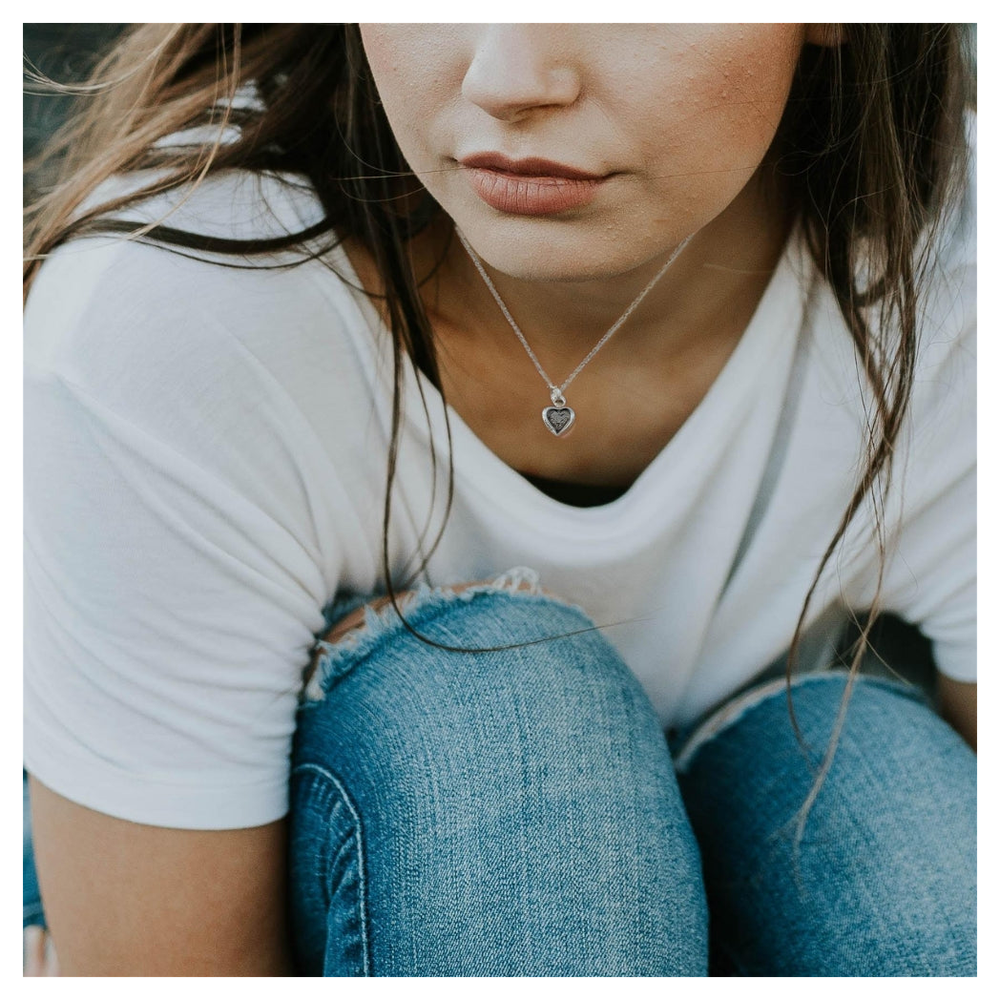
(362, 881)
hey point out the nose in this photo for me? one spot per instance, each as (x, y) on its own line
(519, 68)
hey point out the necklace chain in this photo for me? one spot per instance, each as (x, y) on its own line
(557, 391)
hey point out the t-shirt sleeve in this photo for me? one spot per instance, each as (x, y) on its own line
(174, 574)
(931, 571)
(932, 576)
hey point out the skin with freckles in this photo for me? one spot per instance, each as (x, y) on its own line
(676, 121)
(680, 116)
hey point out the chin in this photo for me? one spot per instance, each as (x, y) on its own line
(541, 253)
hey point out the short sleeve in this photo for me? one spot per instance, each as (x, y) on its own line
(930, 576)
(174, 575)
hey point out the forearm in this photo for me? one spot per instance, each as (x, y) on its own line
(124, 898)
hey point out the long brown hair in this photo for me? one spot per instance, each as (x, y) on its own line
(869, 149)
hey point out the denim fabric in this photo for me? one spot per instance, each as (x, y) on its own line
(32, 898)
(499, 814)
(518, 813)
(878, 878)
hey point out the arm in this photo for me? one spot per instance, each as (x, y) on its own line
(126, 899)
(175, 574)
(957, 704)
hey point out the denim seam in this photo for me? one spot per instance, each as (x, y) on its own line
(359, 837)
(426, 603)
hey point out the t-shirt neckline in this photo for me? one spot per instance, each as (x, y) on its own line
(772, 333)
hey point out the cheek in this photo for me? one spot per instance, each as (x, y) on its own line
(414, 67)
(709, 128)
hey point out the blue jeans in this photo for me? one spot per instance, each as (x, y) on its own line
(32, 897)
(519, 812)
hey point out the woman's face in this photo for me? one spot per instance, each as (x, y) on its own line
(647, 132)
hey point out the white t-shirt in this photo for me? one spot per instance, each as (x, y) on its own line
(205, 460)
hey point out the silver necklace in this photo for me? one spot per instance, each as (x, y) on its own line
(559, 417)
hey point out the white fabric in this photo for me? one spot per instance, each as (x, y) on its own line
(204, 466)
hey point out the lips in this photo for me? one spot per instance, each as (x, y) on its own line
(530, 186)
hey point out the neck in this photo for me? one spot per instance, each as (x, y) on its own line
(713, 284)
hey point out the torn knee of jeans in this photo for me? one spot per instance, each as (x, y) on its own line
(332, 660)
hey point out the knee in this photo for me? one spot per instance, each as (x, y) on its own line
(878, 877)
(889, 749)
(508, 739)
(522, 787)
(538, 675)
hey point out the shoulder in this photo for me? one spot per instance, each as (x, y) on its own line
(944, 266)
(935, 456)
(944, 388)
(111, 313)
(239, 366)
(230, 204)
(954, 241)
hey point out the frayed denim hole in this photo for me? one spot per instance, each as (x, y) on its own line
(340, 607)
(335, 660)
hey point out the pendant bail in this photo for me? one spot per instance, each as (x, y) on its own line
(558, 399)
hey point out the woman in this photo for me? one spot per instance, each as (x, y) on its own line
(701, 302)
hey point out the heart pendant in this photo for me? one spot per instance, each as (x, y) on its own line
(558, 419)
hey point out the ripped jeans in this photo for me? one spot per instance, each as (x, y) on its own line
(521, 813)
